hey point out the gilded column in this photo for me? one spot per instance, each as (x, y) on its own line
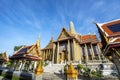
(57, 52)
(45, 54)
(53, 53)
(86, 53)
(80, 51)
(93, 54)
(73, 51)
(99, 51)
(49, 55)
(68, 50)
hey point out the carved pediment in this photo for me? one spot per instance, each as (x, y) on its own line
(63, 35)
(34, 52)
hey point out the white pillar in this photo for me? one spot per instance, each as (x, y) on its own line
(35, 65)
(23, 65)
(13, 65)
(3, 65)
(16, 65)
(20, 66)
(30, 65)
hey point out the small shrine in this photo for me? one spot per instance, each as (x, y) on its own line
(71, 73)
(3, 59)
(26, 58)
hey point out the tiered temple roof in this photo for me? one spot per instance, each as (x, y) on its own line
(70, 34)
(89, 38)
(50, 44)
(68, 44)
(31, 52)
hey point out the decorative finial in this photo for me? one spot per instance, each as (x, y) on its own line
(52, 36)
(38, 41)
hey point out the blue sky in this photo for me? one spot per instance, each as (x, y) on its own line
(22, 21)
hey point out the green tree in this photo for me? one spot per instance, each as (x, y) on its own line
(86, 71)
(80, 67)
(18, 47)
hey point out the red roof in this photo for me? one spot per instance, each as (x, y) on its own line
(89, 39)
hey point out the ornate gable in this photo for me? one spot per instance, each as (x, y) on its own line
(64, 34)
(29, 52)
(34, 50)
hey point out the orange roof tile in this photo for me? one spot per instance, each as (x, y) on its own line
(89, 39)
(106, 26)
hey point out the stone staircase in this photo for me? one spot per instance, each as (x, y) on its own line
(54, 68)
(53, 76)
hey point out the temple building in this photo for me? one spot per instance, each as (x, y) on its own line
(3, 59)
(48, 51)
(71, 46)
(110, 39)
(26, 58)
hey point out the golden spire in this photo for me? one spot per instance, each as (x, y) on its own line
(52, 38)
(38, 46)
(71, 72)
(39, 69)
(38, 41)
(72, 29)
